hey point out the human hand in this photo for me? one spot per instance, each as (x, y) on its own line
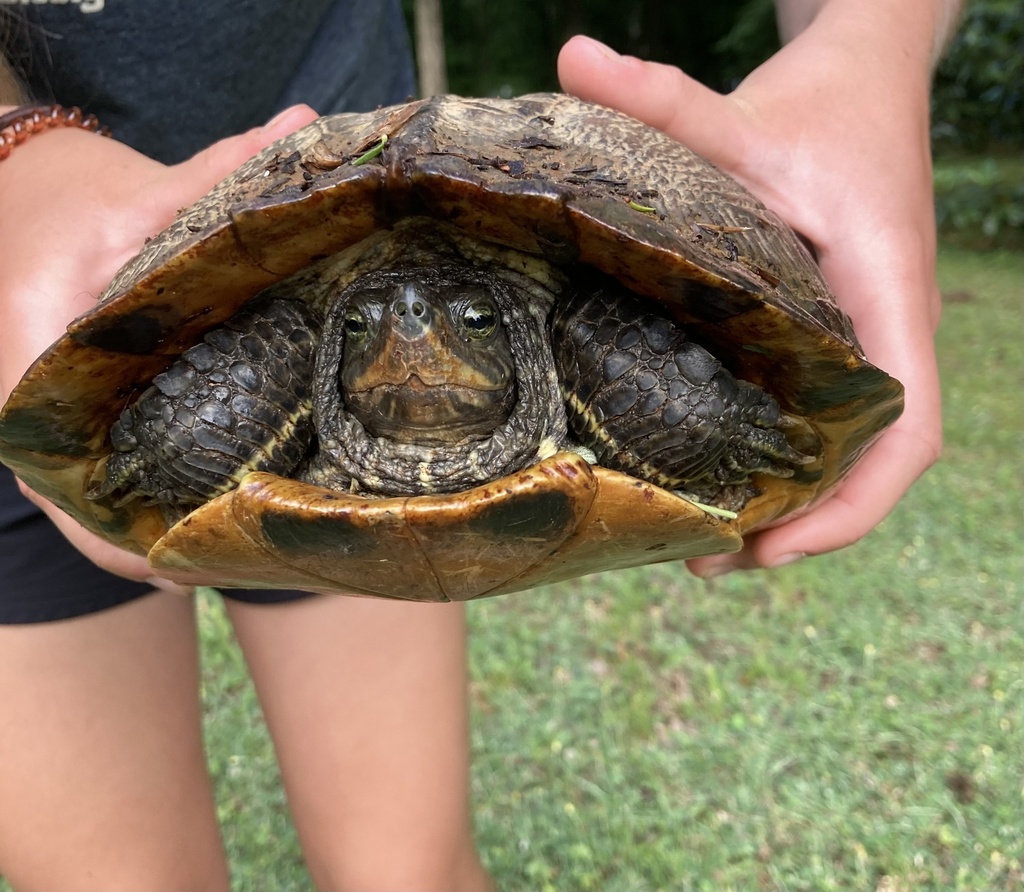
(832, 134)
(74, 208)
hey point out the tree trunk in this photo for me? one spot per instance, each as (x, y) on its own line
(433, 75)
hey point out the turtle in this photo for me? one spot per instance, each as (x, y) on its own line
(449, 349)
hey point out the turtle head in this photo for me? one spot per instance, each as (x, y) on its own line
(426, 360)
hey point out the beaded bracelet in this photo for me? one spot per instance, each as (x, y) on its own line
(18, 125)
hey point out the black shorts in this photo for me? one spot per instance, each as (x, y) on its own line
(43, 577)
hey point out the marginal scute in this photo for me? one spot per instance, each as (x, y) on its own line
(534, 515)
(140, 332)
(299, 533)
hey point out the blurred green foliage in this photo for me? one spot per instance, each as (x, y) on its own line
(978, 99)
(978, 128)
(980, 201)
(498, 49)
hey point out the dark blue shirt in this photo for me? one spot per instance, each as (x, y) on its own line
(169, 77)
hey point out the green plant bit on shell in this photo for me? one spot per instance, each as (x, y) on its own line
(724, 513)
(647, 209)
(724, 229)
(372, 153)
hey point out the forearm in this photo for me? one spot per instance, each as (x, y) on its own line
(921, 28)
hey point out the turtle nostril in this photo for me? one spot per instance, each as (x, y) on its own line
(409, 308)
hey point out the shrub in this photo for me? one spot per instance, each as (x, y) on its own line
(981, 201)
(978, 97)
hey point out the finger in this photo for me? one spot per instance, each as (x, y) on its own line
(180, 185)
(861, 502)
(112, 559)
(877, 483)
(190, 180)
(897, 335)
(106, 556)
(659, 95)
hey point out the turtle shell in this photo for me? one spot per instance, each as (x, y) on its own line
(546, 175)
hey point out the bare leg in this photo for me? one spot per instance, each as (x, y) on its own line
(103, 780)
(366, 702)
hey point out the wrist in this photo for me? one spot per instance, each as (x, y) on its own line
(21, 124)
(911, 34)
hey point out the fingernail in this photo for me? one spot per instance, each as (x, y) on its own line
(278, 118)
(790, 558)
(719, 568)
(604, 50)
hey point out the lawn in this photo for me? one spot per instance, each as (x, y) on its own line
(850, 722)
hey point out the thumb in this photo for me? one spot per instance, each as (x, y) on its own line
(190, 180)
(659, 95)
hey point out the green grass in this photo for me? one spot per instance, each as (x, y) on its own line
(851, 722)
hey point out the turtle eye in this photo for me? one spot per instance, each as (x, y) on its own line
(355, 326)
(479, 319)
